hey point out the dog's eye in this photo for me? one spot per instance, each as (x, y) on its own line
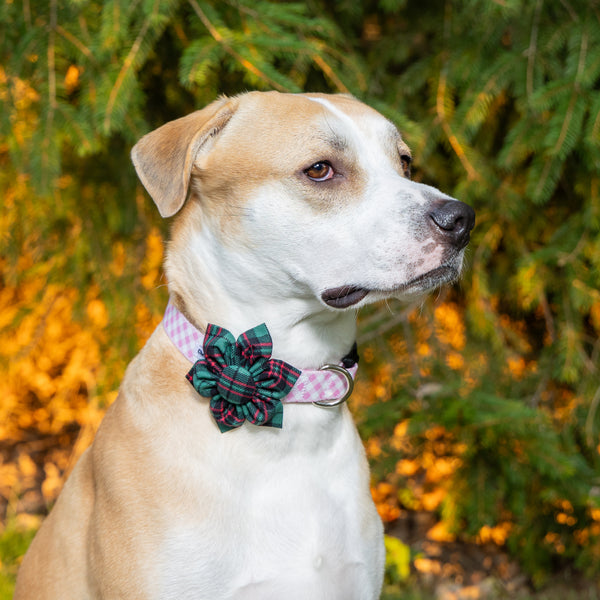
(320, 171)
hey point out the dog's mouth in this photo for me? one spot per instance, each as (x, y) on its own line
(344, 297)
(349, 295)
(430, 280)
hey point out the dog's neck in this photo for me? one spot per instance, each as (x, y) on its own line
(240, 296)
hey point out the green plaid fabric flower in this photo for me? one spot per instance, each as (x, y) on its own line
(241, 379)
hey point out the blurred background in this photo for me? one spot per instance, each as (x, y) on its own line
(479, 408)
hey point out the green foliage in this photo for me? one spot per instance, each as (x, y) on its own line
(398, 558)
(500, 102)
(513, 128)
(405, 593)
(93, 66)
(14, 541)
(512, 455)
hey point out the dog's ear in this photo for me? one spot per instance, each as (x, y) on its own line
(164, 158)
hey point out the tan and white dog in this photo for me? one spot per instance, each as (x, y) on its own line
(293, 210)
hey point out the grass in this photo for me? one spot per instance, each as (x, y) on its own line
(405, 592)
(14, 541)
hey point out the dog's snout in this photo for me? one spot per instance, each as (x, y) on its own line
(453, 220)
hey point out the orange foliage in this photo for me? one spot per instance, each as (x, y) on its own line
(450, 326)
(424, 474)
(497, 535)
(384, 496)
(52, 361)
(50, 365)
(56, 377)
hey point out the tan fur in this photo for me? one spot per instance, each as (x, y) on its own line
(103, 490)
(108, 492)
(148, 510)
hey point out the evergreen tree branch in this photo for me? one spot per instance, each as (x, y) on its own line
(127, 65)
(76, 42)
(235, 55)
(329, 73)
(548, 318)
(570, 10)
(596, 128)
(591, 416)
(27, 12)
(345, 59)
(441, 97)
(542, 387)
(51, 59)
(454, 142)
(531, 51)
(83, 139)
(568, 117)
(582, 56)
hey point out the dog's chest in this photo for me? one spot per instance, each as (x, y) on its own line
(274, 525)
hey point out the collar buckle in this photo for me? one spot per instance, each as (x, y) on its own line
(350, 386)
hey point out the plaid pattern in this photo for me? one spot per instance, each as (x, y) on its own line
(310, 386)
(241, 379)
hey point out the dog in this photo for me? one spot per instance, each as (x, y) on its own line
(203, 480)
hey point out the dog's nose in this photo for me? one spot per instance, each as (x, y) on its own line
(453, 220)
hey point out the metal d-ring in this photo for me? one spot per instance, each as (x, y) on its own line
(337, 401)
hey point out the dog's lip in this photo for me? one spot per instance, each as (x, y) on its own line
(344, 296)
(348, 295)
(431, 279)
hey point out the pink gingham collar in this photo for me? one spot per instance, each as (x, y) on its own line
(329, 386)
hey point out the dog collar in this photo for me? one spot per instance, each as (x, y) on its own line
(328, 386)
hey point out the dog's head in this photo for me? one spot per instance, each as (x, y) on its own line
(308, 196)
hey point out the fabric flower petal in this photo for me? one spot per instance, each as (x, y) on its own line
(277, 378)
(240, 378)
(254, 346)
(201, 376)
(219, 348)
